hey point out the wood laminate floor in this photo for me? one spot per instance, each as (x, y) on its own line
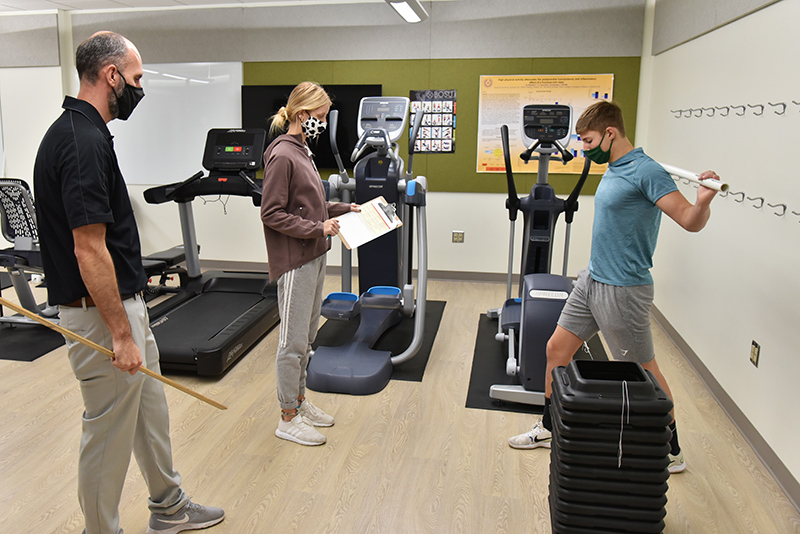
(410, 459)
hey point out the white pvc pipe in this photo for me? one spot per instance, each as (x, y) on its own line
(695, 177)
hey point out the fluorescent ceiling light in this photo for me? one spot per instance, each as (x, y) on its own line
(411, 10)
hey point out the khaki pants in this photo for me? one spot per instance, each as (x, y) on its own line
(124, 413)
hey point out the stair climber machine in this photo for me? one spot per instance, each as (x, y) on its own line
(526, 323)
(217, 316)
(385, 264)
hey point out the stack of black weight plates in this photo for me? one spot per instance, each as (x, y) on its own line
(594, 490)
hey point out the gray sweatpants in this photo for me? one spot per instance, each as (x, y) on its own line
(299, 305)
(123, 413)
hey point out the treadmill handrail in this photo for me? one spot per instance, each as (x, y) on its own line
(216, 183)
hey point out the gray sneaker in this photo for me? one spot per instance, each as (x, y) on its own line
(191, 517)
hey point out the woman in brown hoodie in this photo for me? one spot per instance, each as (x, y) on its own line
(298, 223)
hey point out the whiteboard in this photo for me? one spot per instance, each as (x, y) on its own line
(163, 140)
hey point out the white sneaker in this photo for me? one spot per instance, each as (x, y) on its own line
(299, 431)
(676, 463)
(314, 415)
(538, 436)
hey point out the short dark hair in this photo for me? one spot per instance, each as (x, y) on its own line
(600, 116)
(99, 50)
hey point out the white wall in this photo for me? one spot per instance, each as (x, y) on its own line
(737, 281)
(26, 118)
(237, 235)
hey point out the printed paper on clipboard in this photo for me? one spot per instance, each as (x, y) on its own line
(376, 218)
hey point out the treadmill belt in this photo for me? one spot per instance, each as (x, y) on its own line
(200, 319)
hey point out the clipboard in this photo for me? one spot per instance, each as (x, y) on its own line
(376, 218)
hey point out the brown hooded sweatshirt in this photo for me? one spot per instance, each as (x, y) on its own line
(293, 206)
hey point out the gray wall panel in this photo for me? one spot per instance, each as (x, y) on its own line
(678, 21)
(180, 36)
(29, 41)
(608, 31)
(358, 32)
(462, 29)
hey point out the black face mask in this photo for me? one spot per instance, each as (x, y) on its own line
(128, 99)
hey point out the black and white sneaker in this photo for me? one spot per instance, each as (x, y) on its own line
(538, 436)
(191, 517)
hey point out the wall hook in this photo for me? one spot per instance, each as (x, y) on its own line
(739, 193)
(726, 108)
(711, 110)
(688, 112)
(782, 213)
(700, 110)
(761, 112)
(739, 114)
(783, 109)
(677, 112)
(754, 199)
(795, 102)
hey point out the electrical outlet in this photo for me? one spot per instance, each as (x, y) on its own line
(755, 352)
(458, 236)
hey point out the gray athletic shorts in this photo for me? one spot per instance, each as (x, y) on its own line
(622, 314)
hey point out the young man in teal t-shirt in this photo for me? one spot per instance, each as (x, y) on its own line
(615, 293)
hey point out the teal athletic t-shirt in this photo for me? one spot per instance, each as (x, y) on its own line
(627, 220)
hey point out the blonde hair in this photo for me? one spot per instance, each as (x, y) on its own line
(306, 96)
(600, 116)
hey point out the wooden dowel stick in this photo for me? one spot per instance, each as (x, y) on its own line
(91, 344)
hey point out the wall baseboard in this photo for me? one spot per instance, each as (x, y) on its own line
(773, 463)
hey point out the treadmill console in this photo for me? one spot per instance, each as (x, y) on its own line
(546, 123)
(388, 113)
(234, 150)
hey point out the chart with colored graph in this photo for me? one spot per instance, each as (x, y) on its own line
(502, 99)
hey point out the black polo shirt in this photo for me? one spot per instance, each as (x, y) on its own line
(77, 182)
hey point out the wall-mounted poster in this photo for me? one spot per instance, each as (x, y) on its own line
(437, 134)
(502, 99)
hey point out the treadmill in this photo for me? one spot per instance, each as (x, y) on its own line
(218, 315)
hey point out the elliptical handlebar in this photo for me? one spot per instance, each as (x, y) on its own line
(526, 156)
(412, 140)
(333, 124)
(571, 204)
(513, 199)
(566, 155)
(372, 133)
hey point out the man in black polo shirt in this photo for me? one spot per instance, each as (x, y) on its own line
(91, 256)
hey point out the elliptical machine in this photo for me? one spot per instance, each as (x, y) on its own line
(385, 264)
(527, 322)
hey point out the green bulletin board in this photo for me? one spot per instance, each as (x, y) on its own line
(456, 172)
